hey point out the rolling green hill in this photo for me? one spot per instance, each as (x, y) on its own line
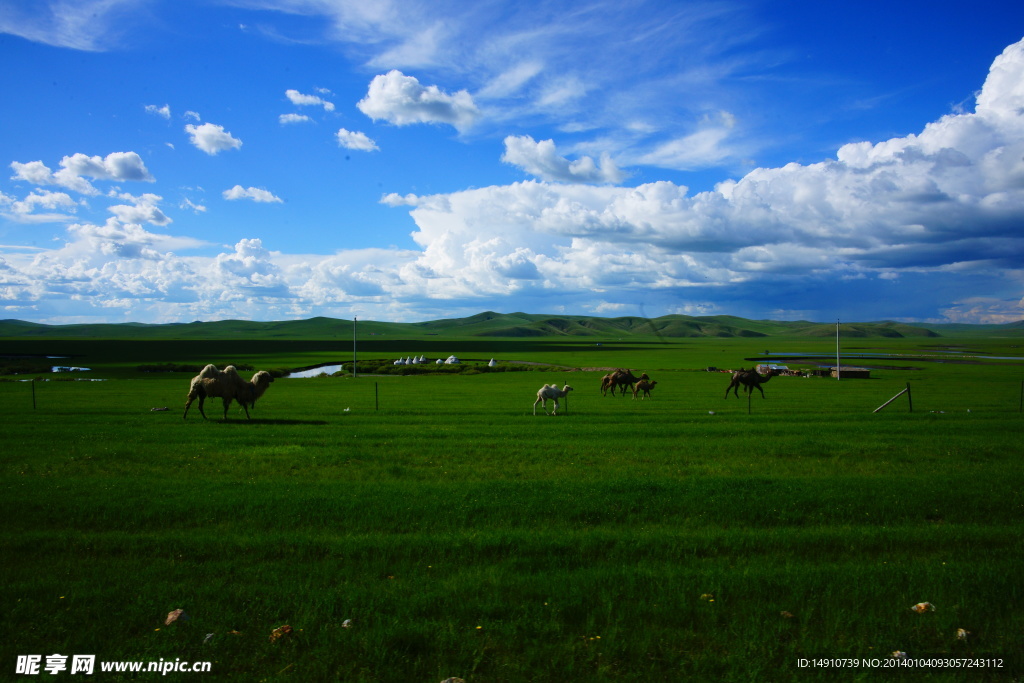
(491, 324)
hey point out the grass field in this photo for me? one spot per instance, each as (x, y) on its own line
(679, 538)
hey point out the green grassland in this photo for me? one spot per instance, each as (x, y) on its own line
(686, 537)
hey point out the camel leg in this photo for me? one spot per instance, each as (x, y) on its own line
(199, 393)
(535, 406)
(246, 409)
(758, 388)
(555, 411)
(227, 402)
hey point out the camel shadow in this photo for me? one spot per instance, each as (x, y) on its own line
(270, 421)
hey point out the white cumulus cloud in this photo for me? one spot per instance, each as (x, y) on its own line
(301, 100)
(356, 140)
(75, 170)
(402, 100)
(541, 159)
(256, 194)
(59, 204)
(164, 111)
(142, 209)
(212, 138)
(285, 119)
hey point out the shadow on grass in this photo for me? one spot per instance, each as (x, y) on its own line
(232, 421)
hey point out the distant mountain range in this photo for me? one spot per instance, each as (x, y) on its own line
(508, 325)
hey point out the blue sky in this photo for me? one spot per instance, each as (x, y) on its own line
(405, 161)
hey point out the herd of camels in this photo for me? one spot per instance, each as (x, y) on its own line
(624, 380)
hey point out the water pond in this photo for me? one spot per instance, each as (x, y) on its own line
(314, 372)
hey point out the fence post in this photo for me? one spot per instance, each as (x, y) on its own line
(34, 393)
(892, 399)
(910, 400)
(376, 397)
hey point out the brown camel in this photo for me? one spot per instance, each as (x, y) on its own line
(750, 381)
(644, 387)
(624, 379)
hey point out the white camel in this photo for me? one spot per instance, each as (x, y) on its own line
(550, 391)
(227, 385)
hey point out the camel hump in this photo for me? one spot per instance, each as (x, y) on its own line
(209, 371)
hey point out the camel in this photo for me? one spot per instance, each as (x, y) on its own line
(644, 386)
(550, 391)
(750, 381)
(227, 385)
(621, 379)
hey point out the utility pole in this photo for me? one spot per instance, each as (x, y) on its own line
(837, 349)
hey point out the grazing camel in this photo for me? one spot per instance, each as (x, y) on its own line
(550, 391)
(623, 379)
(644, 386)
(227, 385)
(750, 381)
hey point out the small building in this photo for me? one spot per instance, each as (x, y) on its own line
(765, 368)
(850, 372)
